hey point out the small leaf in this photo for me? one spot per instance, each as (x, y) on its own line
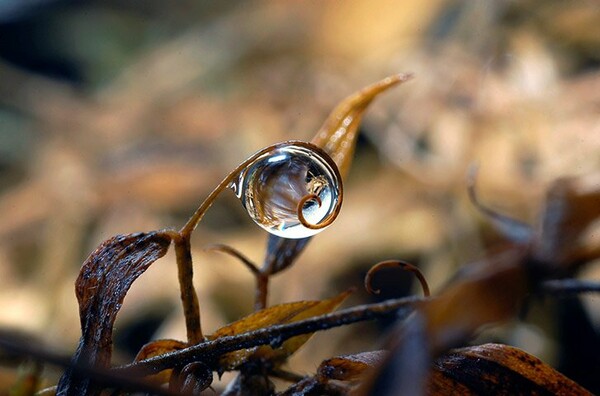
(293, 344)
(157, 348)
(350, 367)
(282, 252)
(103, 282)
(277, 314)
(498, 369)
(338, 134)
(337, 137)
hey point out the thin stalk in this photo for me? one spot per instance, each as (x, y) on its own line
(189, 297)
(261, 275)
(262, 291)
(236, 254)
(208, 352)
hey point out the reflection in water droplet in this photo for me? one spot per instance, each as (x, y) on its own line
(273, 185)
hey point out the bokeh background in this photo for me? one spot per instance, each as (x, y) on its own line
(119, 116)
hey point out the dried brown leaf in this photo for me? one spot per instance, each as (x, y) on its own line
(337, 137)
(103, 282)
(338, 134)
(350, 367)
(491, 291)
(278, 314)
(157, 348)
(497, 369)
(339, 368)
(282, 252)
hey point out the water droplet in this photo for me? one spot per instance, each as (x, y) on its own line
(274, 186)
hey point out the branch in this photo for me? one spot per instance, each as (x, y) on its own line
(209, 351)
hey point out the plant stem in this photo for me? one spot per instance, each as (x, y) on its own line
(189, 298)
(209, 352)
(262, 290)
(261, 275)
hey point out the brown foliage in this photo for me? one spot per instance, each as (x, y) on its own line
(499, 370)
(103, 282)
(418, 359)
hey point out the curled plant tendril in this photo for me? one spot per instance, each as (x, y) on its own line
(276, 186)
(306, 223)
(278, 190)
(270, 185)
(395, 264)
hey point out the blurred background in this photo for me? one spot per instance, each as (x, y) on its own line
(119, 116)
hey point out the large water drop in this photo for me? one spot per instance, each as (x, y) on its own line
(274, 186)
